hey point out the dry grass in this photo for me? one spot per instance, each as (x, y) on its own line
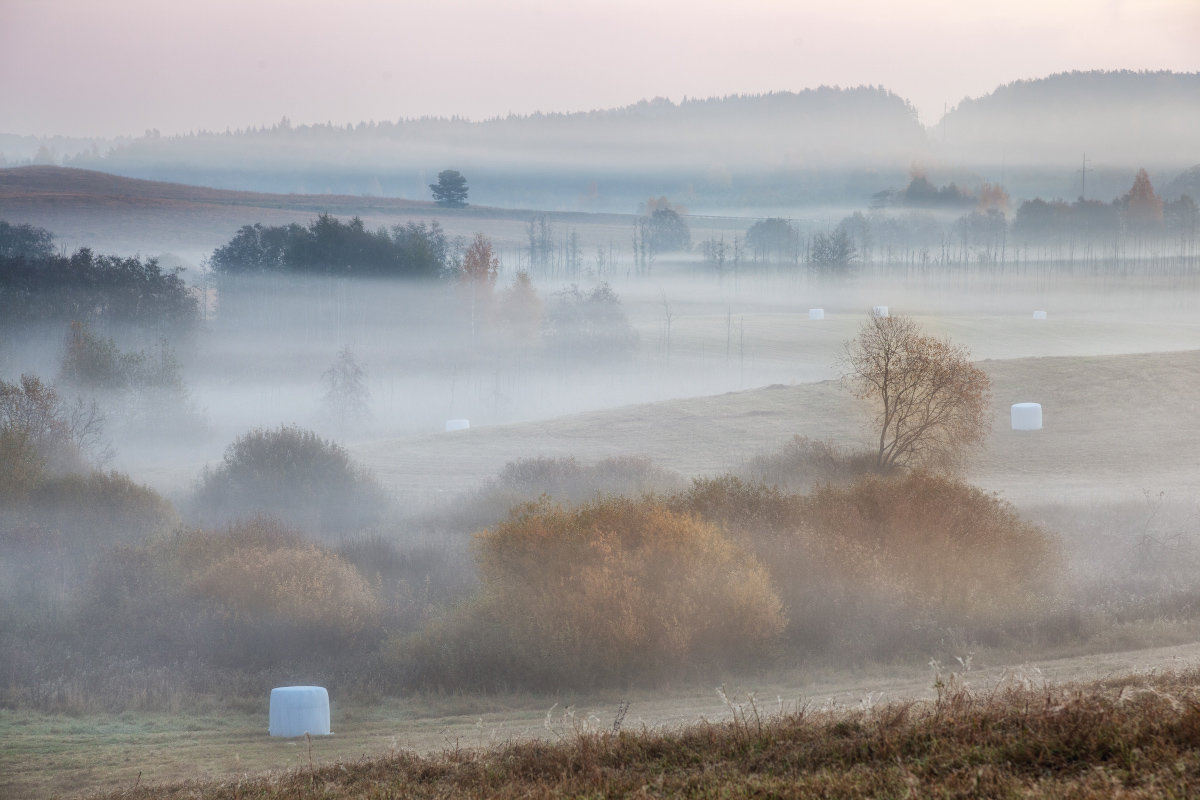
(1129, 737)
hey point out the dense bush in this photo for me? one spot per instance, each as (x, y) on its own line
(42, 432)
(937, 543)
(253, 596)
(292, 474)
(887, 564)
(803, 464)
(564, 480)
(617, 591)
(108, 506)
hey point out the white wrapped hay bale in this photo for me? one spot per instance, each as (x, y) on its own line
(297, 710)
(457, 424)
(1039, 314)
(816, 313)
(880, 311)
(1026, 416)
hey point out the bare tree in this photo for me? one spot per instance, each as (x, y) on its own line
(931, 401)
(347, 398)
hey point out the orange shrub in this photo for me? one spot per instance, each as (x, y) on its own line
(936, 542)
(614, 591)
(299, 585)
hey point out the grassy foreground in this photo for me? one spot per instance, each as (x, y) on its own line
(1137, 736)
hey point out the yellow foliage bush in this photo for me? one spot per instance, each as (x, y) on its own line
(934, 542)
(301, 585)
(616, 590)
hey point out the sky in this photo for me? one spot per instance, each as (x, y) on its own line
(106, 68)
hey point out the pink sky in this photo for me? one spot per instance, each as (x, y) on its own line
(111, 67)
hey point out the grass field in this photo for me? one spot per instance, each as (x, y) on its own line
(438, 746)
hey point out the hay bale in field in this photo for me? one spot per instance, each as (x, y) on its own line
(299, 710)
(1026, 416)
(816, 313)
(457, 425)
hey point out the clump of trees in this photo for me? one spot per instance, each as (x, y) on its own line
(930, 401)
(773, 240)
(588, 323)
(328, 246)
(38, 285)
(660, 229)
(832, 253)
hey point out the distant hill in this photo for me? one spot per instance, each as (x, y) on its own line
(745, 149)
(1186, 182)
(764, 155)
(1138, 119)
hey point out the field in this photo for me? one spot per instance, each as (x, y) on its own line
(62, 756)
(726, 371)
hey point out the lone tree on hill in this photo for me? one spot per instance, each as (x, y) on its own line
(931, 401)
(451, 189)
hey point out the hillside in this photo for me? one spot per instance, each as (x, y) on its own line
(722, 152)
(1125, 118)
(112, 213)
(1114, 426)
(770, 152)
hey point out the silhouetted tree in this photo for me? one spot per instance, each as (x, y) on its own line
(832, 253)
(451, 189)
(773, 239)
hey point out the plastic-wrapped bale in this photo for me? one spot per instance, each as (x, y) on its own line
(816, 313)
(1039, 314)
(297, 710)
(1027, 416)
(457, 424)
(880, 311)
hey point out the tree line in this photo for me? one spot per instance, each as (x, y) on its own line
(332, 247)
(38, 284)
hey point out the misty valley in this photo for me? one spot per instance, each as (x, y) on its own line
(454, 461)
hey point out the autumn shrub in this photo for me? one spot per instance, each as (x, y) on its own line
(564, 480)
(887, 565)
(412, 578)
(616, 591)
(104, 506)
(934, 544)
(60, 437)
(803, 464)
(825, 611)
(294, 475)
(254, 595)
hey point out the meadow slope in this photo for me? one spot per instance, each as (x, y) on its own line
(1114, 426)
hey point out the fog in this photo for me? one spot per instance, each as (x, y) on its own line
(768, 153)
(267, 492)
